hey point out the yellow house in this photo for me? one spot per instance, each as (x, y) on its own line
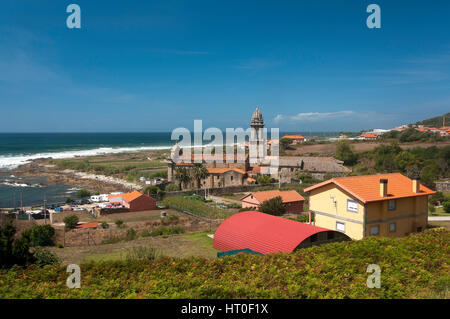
(390, 205)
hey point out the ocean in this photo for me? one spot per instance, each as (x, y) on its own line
(20, 148)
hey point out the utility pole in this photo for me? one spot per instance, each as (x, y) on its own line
(45, 209)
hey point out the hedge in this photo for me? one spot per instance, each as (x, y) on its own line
(411, 267)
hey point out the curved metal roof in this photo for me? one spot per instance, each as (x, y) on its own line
(261, 232)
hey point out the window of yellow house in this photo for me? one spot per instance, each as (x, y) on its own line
(392, 204)
(392, 227)
(374, 230)
(340, 226)
(352, 206)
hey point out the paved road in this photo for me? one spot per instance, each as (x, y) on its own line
(439, 218)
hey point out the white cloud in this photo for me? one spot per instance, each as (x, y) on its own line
(313, 116)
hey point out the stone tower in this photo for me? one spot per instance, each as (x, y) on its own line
(257, 141)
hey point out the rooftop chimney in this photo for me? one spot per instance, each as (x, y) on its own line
(383, 187)
(416, 185)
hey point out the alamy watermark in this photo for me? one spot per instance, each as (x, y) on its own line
(261, 150)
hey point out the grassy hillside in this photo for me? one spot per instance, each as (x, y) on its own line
(436, 121)
(412, 267)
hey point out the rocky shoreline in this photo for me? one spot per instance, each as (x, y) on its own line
(92, 182)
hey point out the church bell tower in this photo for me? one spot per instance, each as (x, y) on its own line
(257, 140)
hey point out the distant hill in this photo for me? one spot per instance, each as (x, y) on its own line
(436, 121)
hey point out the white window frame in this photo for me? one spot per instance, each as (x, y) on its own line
(354, 202)
(341, 223)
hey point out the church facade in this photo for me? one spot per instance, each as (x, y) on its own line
(257, 162)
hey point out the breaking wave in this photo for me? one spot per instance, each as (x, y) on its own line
(11, 162)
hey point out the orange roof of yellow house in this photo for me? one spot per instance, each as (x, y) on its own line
(366, 188)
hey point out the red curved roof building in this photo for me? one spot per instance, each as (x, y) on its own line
(267, 234)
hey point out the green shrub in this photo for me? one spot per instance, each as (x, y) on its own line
(40, 235)
(83, 193)
(71, 221)
(415, 266)
(104, 225)
(131, 234)
(13, 252)
(59, 245)
(142, 253)
(273, 206)
(43, 257)
(120, 223)
(446, 206)
(172, 188)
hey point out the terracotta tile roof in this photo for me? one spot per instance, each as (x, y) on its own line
(88, 225)
(294, 137)
(220, 170)
(251, 180)
(256, 169)
(129, 197)
(369, 135)
(366, 188)
(286, 196)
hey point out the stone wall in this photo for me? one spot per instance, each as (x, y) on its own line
(221, 190)
(59, 217)
(443, 186)
(89, 237)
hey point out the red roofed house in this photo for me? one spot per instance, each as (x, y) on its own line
(296, 139)
(267, 234)
(390, 205)
(292, 200)
(134, 201)
(369, 136)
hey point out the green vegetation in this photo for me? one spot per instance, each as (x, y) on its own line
(172, 188)
(446, 206)
(431, 163)
(273, 206)
(71, 221)
(196, 206)
(104, 225)
(411, 267)
(39, 235)
(83, 193)
(130, 168)
(43, 257)
(412, 135)
(436, 121)
(345, 153)
(119, 223)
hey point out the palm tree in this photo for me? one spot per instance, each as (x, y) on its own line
(199, 172)
(182, 175)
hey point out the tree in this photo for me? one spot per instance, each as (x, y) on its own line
(447, 206)
(199, 172)
(83, 193)
(345, 153)
(430, 173)
(151, 189)
(39, 235)
(71, 221)
(69, 201)
(182, 176)
(273, 206)
(403, 160)
(13, 252)
(285, 142)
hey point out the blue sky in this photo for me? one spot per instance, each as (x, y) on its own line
(157, 65)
